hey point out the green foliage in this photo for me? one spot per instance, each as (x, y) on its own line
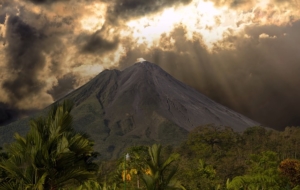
(161, 175)
(250, 182)
(51, 156)
(212, 158)
(221, 148)
(205, 175)
(253, 155)
(262, 173)
(148, 168)
(93, 185)
(54, 156)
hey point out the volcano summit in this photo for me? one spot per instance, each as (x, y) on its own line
(140, 105)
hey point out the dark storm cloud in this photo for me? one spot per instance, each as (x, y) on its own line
(46, 1)
(7, 7)
(24, 59)
(97, 43)
(64, 86)
(2, 18)
(128, 9)
(33, 51)
(34, 48)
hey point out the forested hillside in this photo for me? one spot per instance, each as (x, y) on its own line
(54, 156)
(219, 158)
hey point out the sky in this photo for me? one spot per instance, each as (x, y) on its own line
(243, 54)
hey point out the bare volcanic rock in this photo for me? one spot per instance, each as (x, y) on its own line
(142, 104)
(145, 89)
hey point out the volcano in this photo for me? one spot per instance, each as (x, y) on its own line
(140, 105)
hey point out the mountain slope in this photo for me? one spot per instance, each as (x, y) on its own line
(139, 105)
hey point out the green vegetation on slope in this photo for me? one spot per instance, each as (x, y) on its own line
(53, 155)
(219, 158)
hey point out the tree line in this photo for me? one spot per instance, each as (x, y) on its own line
(53, 156)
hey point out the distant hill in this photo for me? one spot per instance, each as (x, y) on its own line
(9, 113)
(142, 104)
(4, 116)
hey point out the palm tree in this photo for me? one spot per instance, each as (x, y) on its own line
(51, 156)
(161, 174)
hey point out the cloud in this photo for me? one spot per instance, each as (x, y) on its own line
(46, 1)
(32, 55)
(64, 85)
(97, 42)
(38, 50)
(264, 35)
(234, 4)
(128, 9)
(24, 60)
(2, 18)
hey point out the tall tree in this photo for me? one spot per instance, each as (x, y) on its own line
(51, 156)
(290, 168)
